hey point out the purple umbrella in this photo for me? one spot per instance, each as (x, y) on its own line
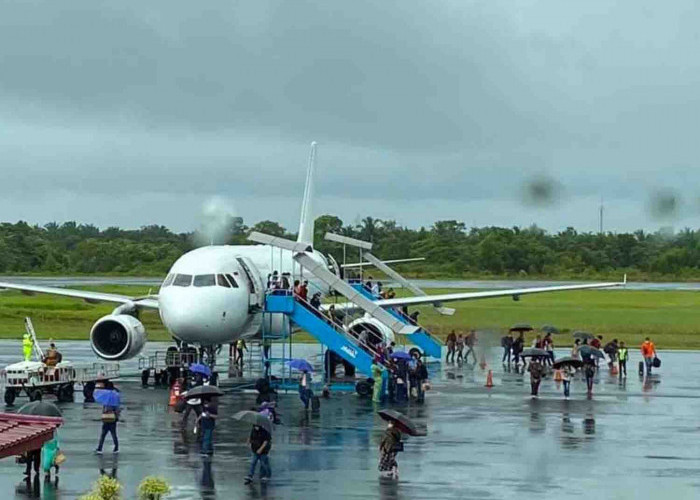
(300, 364)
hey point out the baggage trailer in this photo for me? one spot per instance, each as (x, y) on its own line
(35, 379)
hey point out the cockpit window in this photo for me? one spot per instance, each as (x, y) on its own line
(232, 281)
(168, 280)
(205, 280)
(221, 281)
(182, 280)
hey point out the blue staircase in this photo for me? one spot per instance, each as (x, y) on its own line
(335, 338)
(422, 338)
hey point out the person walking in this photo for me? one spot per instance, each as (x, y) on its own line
(648, 353)
(260, 444)
(470, 343)
(389, 447)
(575, 348)
(207, 422)
(548, 345)
(422, 379)
(589, 372)
(611, 350)
(451, 346)
(240, 347)
(33, 458)
(460, 348)
(507, 344)
(50, 451)
(536, 371)
(567, 375)
(110, 417)
(305, 392)
(518, 346)
(622, 356)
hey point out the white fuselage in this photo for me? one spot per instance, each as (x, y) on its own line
(208, 299)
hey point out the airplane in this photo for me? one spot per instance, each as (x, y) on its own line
(215, 295)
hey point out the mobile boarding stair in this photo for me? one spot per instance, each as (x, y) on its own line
(333, 336)
(422, 337)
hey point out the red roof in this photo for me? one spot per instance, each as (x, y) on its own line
(21, 433)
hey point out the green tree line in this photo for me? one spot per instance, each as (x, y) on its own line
(449, 247)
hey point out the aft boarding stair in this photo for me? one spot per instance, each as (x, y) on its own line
(332, 336)
(422, 338)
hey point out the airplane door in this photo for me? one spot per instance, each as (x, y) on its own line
(256, 299)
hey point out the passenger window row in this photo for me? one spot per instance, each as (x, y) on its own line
(200, 280)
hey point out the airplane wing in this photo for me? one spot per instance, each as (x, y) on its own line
(148, 302)
(513, 292)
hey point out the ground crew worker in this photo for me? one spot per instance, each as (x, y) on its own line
(27, 346)
(52, 356)
(648, 353)
(622, 356)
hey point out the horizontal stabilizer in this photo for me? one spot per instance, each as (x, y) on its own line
(346, 240)
(276, 241)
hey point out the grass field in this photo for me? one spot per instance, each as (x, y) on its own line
(672, 318)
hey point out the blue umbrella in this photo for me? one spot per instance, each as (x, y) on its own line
(200, 368)
(108, 397)
(400, 355)
(300, 364)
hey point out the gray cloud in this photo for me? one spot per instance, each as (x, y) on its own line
(422, 111)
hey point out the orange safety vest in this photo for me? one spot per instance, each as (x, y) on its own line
(648, 349)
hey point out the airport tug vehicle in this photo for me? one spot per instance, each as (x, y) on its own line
(35, 378)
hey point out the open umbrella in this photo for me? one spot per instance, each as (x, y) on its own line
(254, 418)
(201, 369)
(300, 364)
(567, 361)
(583, 335)
(40, 408)
(550, 329)
(400, 355)
(401, 422)
(521, 327)
(108, 397)
(586, 350)
(534, 351)
(202, 391)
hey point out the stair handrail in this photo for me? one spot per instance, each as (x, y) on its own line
(341, 330)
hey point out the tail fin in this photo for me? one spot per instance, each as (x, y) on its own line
(306, 221)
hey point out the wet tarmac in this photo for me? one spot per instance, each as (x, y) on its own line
(632, 440)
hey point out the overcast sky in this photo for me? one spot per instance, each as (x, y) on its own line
(131, 113)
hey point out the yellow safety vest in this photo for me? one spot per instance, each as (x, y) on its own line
(622, 354)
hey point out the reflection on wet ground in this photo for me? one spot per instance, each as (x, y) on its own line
(632, 440)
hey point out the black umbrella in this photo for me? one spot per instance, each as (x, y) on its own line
(401, 422)
(202, 391)
(254, 418)
(550, 329)
(534, 351)
(40, 408)
(568, 361)
(583, 335)
(587, 350)
(521, 327)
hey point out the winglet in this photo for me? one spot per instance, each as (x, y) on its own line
(624, 279)
(306, 220)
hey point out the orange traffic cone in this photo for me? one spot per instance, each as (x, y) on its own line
(489, 379)
(557, 376)
(174, 393)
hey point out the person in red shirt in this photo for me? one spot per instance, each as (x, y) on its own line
(648, 353)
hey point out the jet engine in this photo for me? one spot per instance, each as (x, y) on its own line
(117, 337)
(376, 330)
